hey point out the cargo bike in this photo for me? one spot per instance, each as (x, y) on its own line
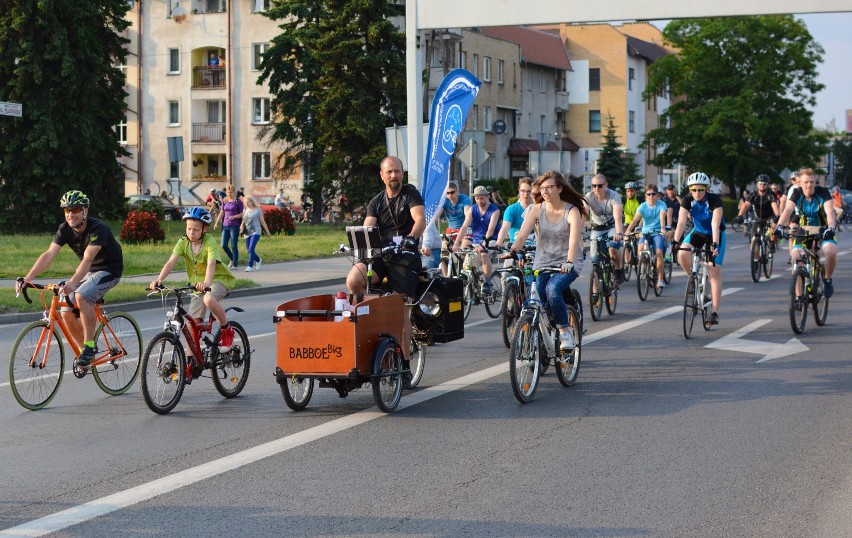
(346, 342)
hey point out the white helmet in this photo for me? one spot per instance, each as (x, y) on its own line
(698, 178)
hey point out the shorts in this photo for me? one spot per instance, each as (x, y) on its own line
(698, 240)
(798, 243)
(196, 306)
(593, 245)
(658, 239)
(95, 286)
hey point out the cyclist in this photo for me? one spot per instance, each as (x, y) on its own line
(513, 217)
(631, 202)
(817, 209)
(705, 208)
(482, 218)
(561, 218)
(764, 204)
(839, 206)
(792, 187)
(672, 200)
(100, 268)
(654, 217)
(204, 270)
(453, 209)
(606, 216)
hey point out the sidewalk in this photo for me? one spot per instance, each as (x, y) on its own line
(272, 278)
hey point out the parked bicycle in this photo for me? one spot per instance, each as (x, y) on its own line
(38, 354)
(166, 368)
(602, 286)
(536, 342)
(807, 286)
(762, 248)
(698, 297)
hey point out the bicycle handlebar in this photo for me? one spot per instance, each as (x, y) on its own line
(52, 287)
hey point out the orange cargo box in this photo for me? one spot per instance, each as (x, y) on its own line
(310, 343)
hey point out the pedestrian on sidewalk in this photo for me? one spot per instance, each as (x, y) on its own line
(253, 226)
(229, 217)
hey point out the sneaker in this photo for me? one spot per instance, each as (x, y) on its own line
(232, 266)
(249, 269)
(661, 284)
(226, 339)
(714, 318)
(86, 357)
(619, 277)
(258, 264)
(487, 288)
(829, 289)
(566, 341)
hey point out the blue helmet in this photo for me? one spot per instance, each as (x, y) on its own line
(198, 213)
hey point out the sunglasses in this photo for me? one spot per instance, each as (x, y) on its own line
(697, 189)
(451, 192)
(74, 210)
(597, 185)
(652, 193)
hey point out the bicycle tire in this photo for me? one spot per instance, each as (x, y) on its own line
(611, 301)
(798, 305)
(596, 293)
(297, 391)
(655, 277)
(568, 363)
(387, 375)
(755, 260)
(32, 386)
(524, 363)
(707, 307)
(667, 271)
(512, 306)
(494, 301)
(163, 372)
(820, 301)
(233, 366)
(768, 259)
(416, 362)
(690, 305)
(642, 276)
(628, 263)
(737, 226)
(117, 376)
(468, 295)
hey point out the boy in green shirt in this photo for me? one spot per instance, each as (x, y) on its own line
(205, 271)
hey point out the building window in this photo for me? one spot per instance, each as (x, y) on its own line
(631, 122)
(261, 167)
(260, 5)
(121, 131)
(631, 76)
(541, 80)
(174, 61)
(499, 71)
(174, 113)
(260, 105)
(257, 50)
(174, 170)
(486, 69)
(487, 118)
(462, 59)
(594, 121)
(594, 79)
(561, 81)
(475, 117)
(475, 65)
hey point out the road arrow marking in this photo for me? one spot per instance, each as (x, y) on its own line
(735, 342)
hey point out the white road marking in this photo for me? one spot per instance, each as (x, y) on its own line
(770, 350)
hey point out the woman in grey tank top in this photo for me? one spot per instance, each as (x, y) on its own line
(560, 218)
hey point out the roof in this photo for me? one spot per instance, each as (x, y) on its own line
(567, 145)
(537, 47)
(521, 147)
(650, 51)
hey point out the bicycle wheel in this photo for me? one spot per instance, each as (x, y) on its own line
(469, 295)
(231, 370)
(596, 292)
(767, 258)
(690, 306)
(416, 362)
(578, 305)
(643, 274)
(798, 305)
(163, 373)
(297, 391)
(568, 362)
(707, 303)
(667, 271)
(121, 338)
(655, 277)
(628, 262)
(755, 260)
(511, 309)
(737, 226)
(387, 376)
(611, 295)
(494, 300)
(524, 363)
(819, 300)
(36, 365)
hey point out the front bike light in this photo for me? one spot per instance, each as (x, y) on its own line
(430, 305)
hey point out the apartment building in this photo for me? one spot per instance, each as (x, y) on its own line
(192, 73)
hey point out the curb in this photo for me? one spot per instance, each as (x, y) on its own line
(133, 306)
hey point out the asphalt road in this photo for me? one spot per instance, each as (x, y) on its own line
(659, 437)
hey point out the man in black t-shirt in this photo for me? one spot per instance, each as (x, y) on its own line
(763, 201)
(101, 265)
(399, 214)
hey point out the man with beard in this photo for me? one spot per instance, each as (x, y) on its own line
(400, 216)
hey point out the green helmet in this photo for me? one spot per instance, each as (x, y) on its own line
(74, 199)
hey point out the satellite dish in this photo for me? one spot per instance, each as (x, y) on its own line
(498, 127)
(179, 14)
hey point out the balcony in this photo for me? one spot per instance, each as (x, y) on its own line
(208, 132)
(209, 78)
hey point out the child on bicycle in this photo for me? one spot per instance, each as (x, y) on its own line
(205, 270)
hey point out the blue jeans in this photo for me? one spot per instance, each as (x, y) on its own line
(251, 243)
(230, 234)
(551, 286)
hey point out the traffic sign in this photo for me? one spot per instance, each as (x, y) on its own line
(11, 109)
(472, 155)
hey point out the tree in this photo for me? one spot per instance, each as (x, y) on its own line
(610, 159)
(630, 170)
(842, 149)
(58, 59)
(741, 88)
(337, 74)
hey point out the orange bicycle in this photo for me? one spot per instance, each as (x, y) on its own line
(38, 355)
